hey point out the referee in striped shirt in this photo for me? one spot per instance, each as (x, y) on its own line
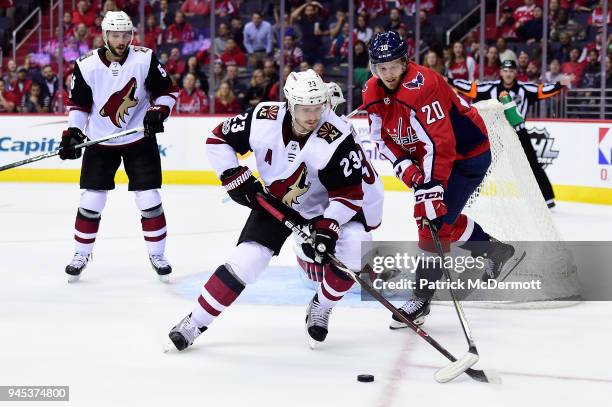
(524, 94)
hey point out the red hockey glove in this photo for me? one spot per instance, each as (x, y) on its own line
(429, 203)
(409, 173)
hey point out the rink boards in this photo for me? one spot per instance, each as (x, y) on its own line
(577, 154)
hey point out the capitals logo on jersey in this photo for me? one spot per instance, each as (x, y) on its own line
(328, 132)
(403, 138)
(288, 190)
(268, 112)
(120, 102)
(416, 83)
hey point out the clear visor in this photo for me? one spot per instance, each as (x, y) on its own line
(119, 36)
(389, 69)
(306, 111)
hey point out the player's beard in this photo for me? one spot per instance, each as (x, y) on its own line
(114, 52)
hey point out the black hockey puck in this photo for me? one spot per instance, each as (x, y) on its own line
(365, 378)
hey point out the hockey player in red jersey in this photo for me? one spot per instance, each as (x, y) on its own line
(307, 158)
(438, 146)
(115, 88)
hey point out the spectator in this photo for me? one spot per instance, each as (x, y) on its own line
(335, 26)
(596, 45)
(460, 66)
(521, 68)
(83, 14)
(561, 49)
(491, 66)
(163, 15)
(289, 28)
(223, 34)
(531, 30)
(506, 27)
(395, 19)
(293, 54)
(193, 67)
(564, 24)
(259, 89)
(554, 72)
(533, 72)
(274, 93)
(21, 85)
(218, 73)
(238, 89)
(8, 100)
(409, 6)
(34, 101)
(573, 67)
(257, 38)
(236, 30)
(270, 70)
(428, 31)
(175, 64)
(7, 8)
(339, 49)
(109, 5)
(225, 101)
(132, 8)
(312, 29)
(191, 99)
(163, 58)
(32, 70)
(408, 37)
(592, 72)
(503, 51)
(319, 68)
(48, 81)
(196, 7)
(81, 34)
(97, 27)
(554, 6)
(596, 18)
(64, 94)
(180, 31)
(68, 26)
(153, 34)
(226, 8)
(98, 42)
(433, 61)
(304, 66)
(524, 13)
(372, 8)
(364, 33)
(233, 54)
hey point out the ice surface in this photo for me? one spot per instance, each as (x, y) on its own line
(104, 335)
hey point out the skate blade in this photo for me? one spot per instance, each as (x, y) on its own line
(169, 347)
(164, 278)
(394, 325)
(73, 279)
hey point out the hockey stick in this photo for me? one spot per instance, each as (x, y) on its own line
(471, 357)
(82, 145)
(478, 375)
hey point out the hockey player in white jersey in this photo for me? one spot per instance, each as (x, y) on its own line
(308, 160)
(115, 88)
(373, 195)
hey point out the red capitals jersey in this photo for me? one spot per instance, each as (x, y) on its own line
(423, 122)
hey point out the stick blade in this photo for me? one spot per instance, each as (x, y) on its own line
(450, 372)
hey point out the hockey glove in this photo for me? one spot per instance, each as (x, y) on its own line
(429, 203)
(71, 138)
(241, 186)
(409, 173)
(324, 233)
(154, 120)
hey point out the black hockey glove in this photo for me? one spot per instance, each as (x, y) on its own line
(154, 120)
(241, 186)
(71, 138)
(324, 233)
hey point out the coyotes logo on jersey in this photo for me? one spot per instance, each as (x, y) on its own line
(328, 132)
(268, 112)
(288, 190)
(119, 103)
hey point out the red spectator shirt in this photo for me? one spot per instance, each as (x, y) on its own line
(491, 73)
(152, 38)
(175, 66)
(179, 33)
(201, 7)
(226, 8)
(428, 6)
(89, 18)
(194, 102)
(459, 70)
(596, 17)
(574, 68)
(10, 97)
(20, 89)
(523, 14)
(378, 7)
(231, 108)
(236, 56)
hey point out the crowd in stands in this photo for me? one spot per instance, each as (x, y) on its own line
(247, 46)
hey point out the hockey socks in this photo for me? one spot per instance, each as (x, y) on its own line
(85, 230)
(154, 229)
(333, 287)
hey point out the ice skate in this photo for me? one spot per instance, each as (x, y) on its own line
(317, 320)
(76, 266)
(161, 266)
(415, 309)
(184, 333)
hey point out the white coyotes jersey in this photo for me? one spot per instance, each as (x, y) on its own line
(322, 174)
(117, 94)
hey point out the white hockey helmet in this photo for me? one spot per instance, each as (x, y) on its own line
(336, 97)
(116, 21)
(305, 88)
